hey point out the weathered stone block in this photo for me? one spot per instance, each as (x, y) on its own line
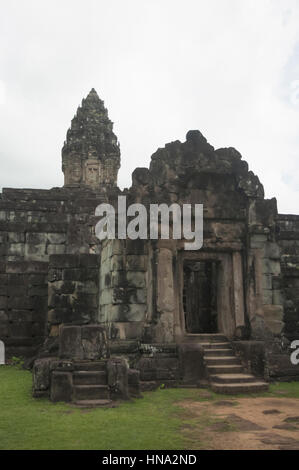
(136, 263)
(20, 329)
(277, 297)
(20, 315)
(41, 374)
(33, 239)
(117, 263)
(38, 329)
(267, 281)
(3, 290)
(134, 383)
(119, 279)
(267, 296)
(63, 287)
(87, 301)
(117, 247)
(136, 279)
(38, 291)
(55, 275)
(138, 296)
(88, 287)
(3, 301)
(89, 260)
(136, 312)
(252, 355)
(3, 279)
(15, 237)
(273, 312)
(35, 252)
(117, 370)
(94, 342)
(64, 261)
(272, 251)
(3, 316)
(61, 386)
(16, 249)
(37, 279)
(21, 267)
(56, 238)
(136, 247)
(70, 342)
(258, 241)
(191, 358)
(56, 249)
(83, 274)
(106, 297)
(4, 330)
(271, 266)
(275, 326)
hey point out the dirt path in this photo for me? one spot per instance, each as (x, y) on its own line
(245, 423)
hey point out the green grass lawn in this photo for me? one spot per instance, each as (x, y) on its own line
(154, 422)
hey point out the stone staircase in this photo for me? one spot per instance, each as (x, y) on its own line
(225, 371)
(90, 386)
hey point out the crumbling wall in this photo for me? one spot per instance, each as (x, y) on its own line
(23, 306)
(238, 222)
(34, 225)
(263, 291)
(123, 294)
(72, 290)
(289, 242)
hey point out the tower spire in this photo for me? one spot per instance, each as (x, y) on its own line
(91, 153)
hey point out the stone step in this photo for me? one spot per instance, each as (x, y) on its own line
(218, 352)
(232, 388)
(233, 378)
(222, 360)
(207, 346)
(207, 338)
(90, 392)
(224, 369)
(90, 365)
(148, 386)
(90, 377)
(92, 403)
(123, 346)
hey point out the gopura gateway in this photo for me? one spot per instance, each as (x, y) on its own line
(106, 320)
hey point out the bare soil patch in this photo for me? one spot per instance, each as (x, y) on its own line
(261, 423)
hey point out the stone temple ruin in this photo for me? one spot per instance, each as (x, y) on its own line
(99, 321)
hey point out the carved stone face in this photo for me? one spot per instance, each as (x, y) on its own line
(92, 172)
(73, 172)
(76, 174)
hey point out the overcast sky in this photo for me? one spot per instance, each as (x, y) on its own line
(229, 68)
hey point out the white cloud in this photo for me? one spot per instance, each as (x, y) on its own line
(2, 92)
(162, 67)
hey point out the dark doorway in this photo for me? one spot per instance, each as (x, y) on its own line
(200, 296)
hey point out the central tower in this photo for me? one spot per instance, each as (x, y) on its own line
(91, 153)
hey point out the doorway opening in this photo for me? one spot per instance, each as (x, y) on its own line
(200, 296)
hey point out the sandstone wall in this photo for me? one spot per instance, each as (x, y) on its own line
(72, 290)
(289, 242)
(23, 306)
(123, 292)
(34, 225)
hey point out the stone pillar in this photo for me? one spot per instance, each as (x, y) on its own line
(238, 289)
(165, 297)
(225, 297)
